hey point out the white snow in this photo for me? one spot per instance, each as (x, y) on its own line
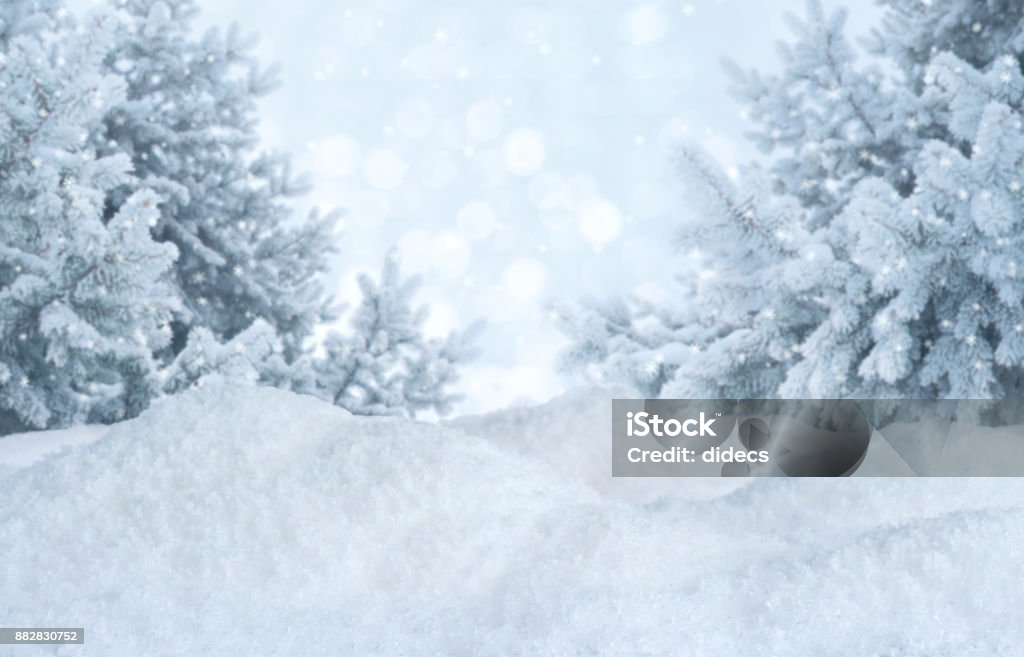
(18, 451)
(243, 522)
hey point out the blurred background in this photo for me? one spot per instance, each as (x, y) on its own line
(514, 153)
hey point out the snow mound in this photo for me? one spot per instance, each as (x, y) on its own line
(244, 522)
(221, 510)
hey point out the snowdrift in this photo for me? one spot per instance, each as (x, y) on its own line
(238, 522)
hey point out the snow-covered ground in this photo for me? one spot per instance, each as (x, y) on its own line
(242, 522)
(21, 450)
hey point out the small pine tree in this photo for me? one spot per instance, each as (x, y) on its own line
(205, 358)
(384, 365)
(82, 302)
(636, 343)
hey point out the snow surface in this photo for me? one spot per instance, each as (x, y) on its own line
(20, 450)
(253, 521)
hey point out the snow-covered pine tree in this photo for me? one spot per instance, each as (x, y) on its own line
(902, 279)
(827, 124)
(933, 231)
(242, 360)
(723, 333)
(26, 18)
(749, 302)
(632, 342)
(189, 125)
(82, 305)
(97, 316)
(385, 365)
